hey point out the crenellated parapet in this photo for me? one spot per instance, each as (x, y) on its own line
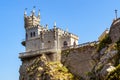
(32, 20)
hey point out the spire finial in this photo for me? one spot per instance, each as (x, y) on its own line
(25, 11)
(116, 14)
(55, 24)
(66, 29)
(33, 11)
(46, 26)
(39, 13)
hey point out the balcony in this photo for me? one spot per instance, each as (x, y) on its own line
(37, 52)
(23, 43)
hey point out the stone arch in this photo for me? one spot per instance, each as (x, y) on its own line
(74, 43)
(31, 34)
(34, 34)
(65, 43)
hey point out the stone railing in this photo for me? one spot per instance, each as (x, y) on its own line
(88, 43)
(80, 45)
(53, 50)
(36, 52)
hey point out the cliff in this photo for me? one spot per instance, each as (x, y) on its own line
(39, 68)
(107, 56)
(79, 60)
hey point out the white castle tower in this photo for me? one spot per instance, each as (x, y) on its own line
(41, 40)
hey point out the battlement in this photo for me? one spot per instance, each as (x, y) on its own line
(53, 50)
(61, 32)
(93, 43)
(64, 33)
(32, 20)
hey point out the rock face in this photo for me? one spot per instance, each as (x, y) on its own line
(39, 68)
(115, 30)
(107, 55)
(79, 60)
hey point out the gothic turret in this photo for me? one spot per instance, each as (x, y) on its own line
(32, 20)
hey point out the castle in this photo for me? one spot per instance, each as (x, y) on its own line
(39, 39)
(57, 45)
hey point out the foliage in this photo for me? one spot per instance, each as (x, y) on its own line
(118, 45)
(114, 75)
(118, 55)
(107, 40)
(66, 52)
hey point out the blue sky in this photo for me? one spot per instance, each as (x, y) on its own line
(86, 18)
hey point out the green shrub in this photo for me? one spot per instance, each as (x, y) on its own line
(118, 54)
(107, 40)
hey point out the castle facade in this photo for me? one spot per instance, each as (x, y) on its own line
(39, 39)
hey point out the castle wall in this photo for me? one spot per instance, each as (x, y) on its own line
(63, 39)
(79, 60)
(49, 40)
(33, 44)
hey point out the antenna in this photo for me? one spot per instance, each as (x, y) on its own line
(116, 14)
(34, 7)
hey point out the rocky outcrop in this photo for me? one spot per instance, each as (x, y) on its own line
(115, 30)
(107, 55)
(39, 68)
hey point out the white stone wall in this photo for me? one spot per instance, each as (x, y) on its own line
(33, 44)
(48, 40)
(63, 39)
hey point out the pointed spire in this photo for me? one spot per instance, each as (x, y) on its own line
(55, 24)
(25, 12)
(46, 26)
(39, 13)
(33, 11)
(107, 30)
(66, 29)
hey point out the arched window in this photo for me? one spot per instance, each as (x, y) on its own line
(48, 41)
(34, 34)
(31, 34)
(65, 44)
(74, 44)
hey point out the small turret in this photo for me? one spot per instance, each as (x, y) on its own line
(25, 12)
(39, 13)
(54, 25)
(32, 20)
